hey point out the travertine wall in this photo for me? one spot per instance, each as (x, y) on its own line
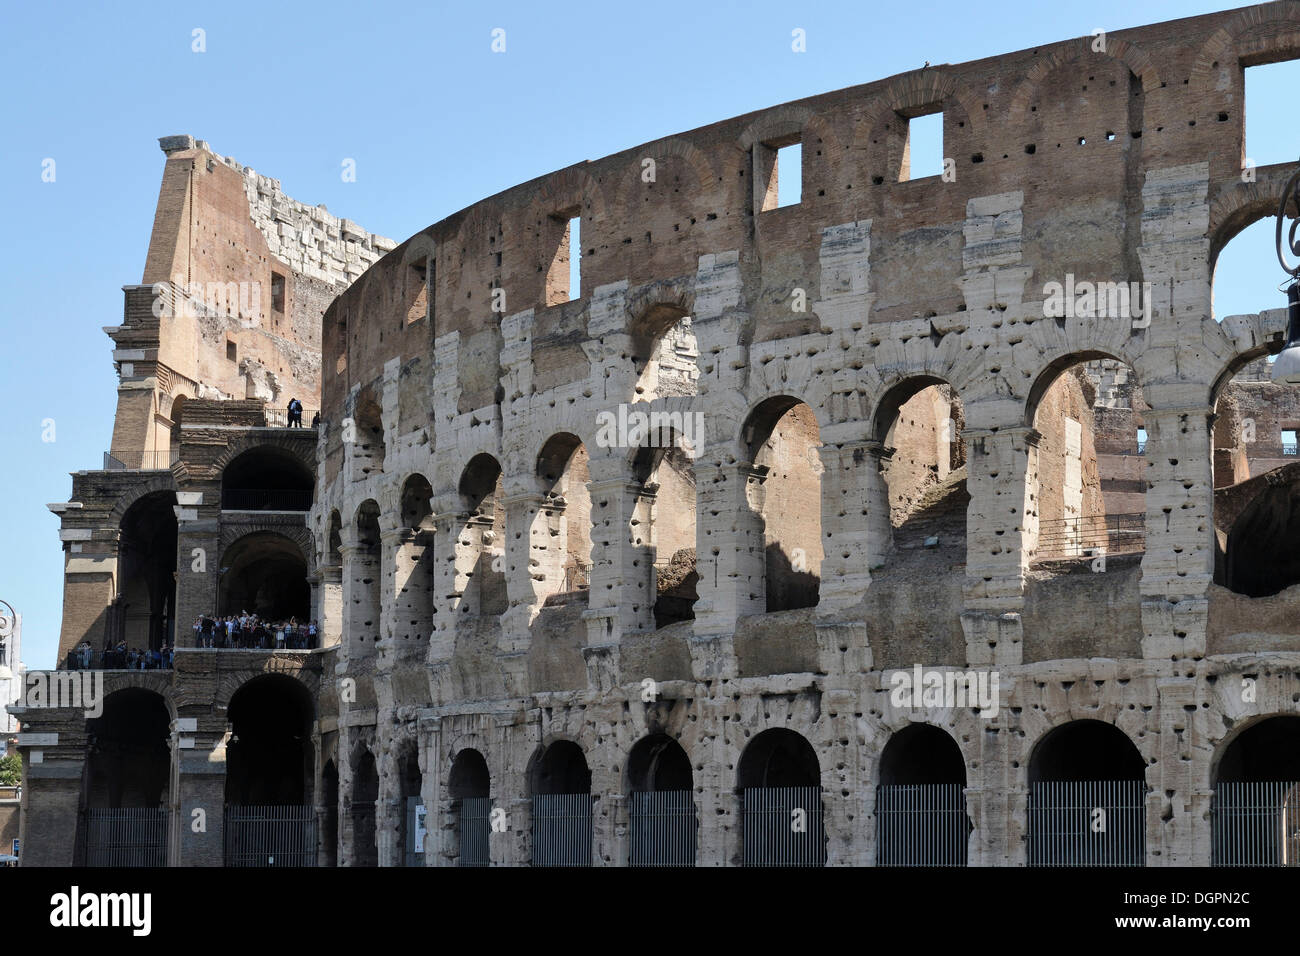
(1070, 164)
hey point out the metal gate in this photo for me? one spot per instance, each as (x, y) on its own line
(1256, 823)
(270, 836)
(1087, 823)
(783, 826)
(562, 829)
(662, 828)
(134, 836)
(921, 825)
(475, 823)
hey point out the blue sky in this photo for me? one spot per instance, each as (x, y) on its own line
(434, 120)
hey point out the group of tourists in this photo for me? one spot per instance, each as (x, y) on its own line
(121, 657)
(250, 631)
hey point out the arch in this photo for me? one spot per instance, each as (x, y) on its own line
(469, 776)
(469, 789)
(921, 754)
(1240, 205)
(1256, 777)
(369, 448)
(267, 478)
(560, 768)
(411, 817)
(284, 447)
(330, 819)
(560, 537)
(657, 763)
(144, 610)
(269, 754)
(1226, 43)
(265, 573)
(1085, 750)
(128, 747)
(334, 539)
(417, 503)
(778, 758)
(362, 571)
(480, 541)
(1261, 557)
(365, 796)
(781, 441)
(1070, 53)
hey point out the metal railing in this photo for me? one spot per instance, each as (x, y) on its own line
(1086, 536)
(141, 460)
(1256, 823)
(266, 499)
(577, 577)
(270, 835)
(279, 417)
(132, 836)
(562, 829)
(475, 830)
(1290, 449)
(1087, 823)
(921, 825)
(662, 828)
(783, 826)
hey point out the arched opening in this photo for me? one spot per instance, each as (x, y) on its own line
(1088, 470)
(470, 807)
(664, 524)
(269, 751)
(267, 478)
(1261, 553)
(365, 795)
(560, 539)
(143, 616)
(270, 772)
(1087, 798)
(334, 540)
(782, 821)
(128, 769)
(411, 828)
(177, 416)
(362, 578)
(922, 488)
(921, 800)
(265, 573)
(480, 542)
(414, 563)
(330, 798)
(1256, 818)
(782, 441)
(661, 812)
(560, 783)
(664, 353)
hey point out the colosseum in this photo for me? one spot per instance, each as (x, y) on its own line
(922, 521)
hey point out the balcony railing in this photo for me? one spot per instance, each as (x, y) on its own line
(279, 417)
(1289, 449)
(266, 499)
(1091, 535)
(140, 460)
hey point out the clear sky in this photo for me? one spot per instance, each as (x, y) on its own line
(434, 121)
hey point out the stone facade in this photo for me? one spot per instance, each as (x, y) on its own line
(885, 426)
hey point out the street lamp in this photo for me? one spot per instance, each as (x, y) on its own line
(1286, 369)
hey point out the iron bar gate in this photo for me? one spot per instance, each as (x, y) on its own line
(662, 828)
(562, 829)
(783, 826)
(1087, 823)
(270, 835)
(135, 836)
(921, 825)
(1256, 823)
(475, 829)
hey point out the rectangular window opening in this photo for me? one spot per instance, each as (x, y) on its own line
(1142, 441)
(231, 350)
(420, 291)
(789, 175)
(923, 149)
(277, 292)
(1289, 441)
(777, 168)
(1269, 135)
(574, 234)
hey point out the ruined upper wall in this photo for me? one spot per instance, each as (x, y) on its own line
(1074, 127)
(245, 274)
